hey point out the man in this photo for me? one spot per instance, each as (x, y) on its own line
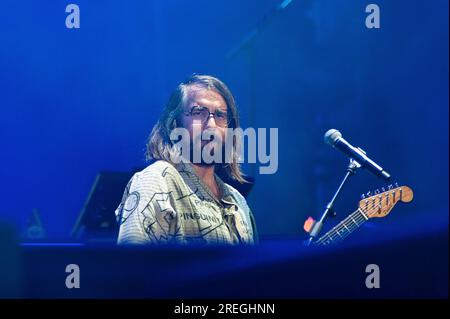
(180, 200)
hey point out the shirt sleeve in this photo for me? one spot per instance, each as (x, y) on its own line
(145, 214)
(255, 230)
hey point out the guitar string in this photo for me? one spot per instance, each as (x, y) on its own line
(356, 221)
(352, 222)
(341, 226)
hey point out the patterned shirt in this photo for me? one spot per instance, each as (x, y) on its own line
(168, 203)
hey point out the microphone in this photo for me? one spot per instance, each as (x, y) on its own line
(334, 138)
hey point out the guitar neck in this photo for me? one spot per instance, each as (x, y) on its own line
(344, 228)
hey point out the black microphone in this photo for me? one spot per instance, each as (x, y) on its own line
(334, 138)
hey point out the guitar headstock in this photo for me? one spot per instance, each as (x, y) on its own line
(379, 204)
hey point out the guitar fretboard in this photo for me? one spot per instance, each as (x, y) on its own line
(344, 228)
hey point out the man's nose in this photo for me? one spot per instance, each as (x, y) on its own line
(210, 121)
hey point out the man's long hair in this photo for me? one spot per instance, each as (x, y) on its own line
(160, 147)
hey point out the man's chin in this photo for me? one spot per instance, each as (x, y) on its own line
(215, 146)
(204, 164)
(213, 143)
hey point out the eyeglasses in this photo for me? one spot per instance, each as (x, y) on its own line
(202, 114)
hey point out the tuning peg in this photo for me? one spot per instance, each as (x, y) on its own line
(390, 187)
(377, 191)
(369, 194)
(383, 189)
(396, 184)
(363, 196)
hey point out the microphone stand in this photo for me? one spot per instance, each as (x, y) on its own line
(329, 210)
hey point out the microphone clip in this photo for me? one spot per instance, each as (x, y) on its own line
(353, 165)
